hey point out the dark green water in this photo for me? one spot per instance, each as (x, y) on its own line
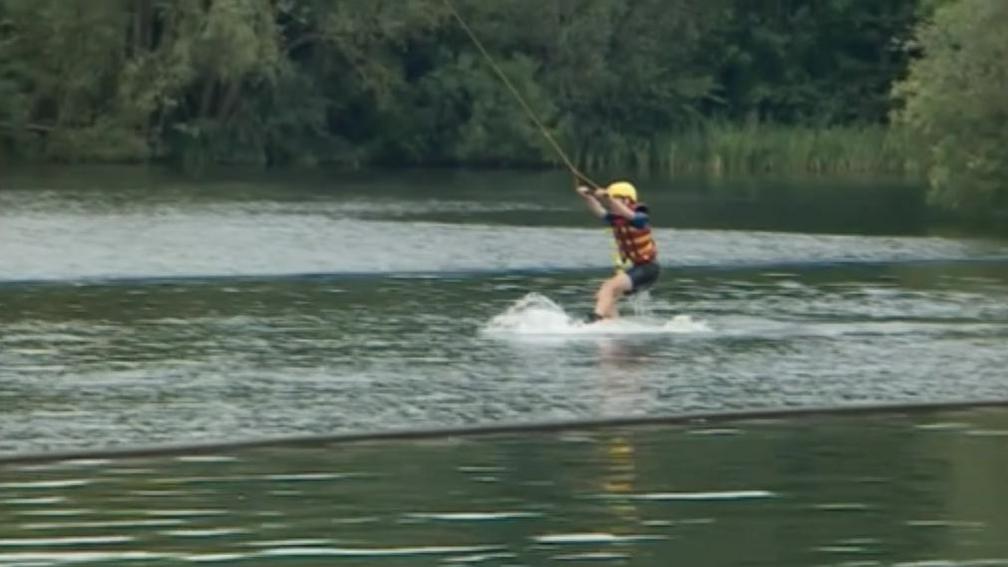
(884, 490)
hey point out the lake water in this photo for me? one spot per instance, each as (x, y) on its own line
(139, 309)
(916, 490)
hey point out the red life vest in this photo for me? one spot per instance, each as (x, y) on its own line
(635, 244)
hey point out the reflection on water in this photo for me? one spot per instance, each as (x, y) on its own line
(127, 225)
(869, 490)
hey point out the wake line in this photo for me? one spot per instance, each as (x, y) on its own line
(525, 428)
(113, 280)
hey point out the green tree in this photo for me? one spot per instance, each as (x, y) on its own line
(59, 67)
(399, 82)
(800, 62)
(956, 104)
(607, 76)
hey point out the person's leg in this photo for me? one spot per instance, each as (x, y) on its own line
(609, 293)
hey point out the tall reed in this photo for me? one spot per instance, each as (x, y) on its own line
(726, 149)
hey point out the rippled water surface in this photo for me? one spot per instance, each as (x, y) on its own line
(138, 309)
(918, 490)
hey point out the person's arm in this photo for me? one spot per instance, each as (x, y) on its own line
(617, 207)
(592, 202)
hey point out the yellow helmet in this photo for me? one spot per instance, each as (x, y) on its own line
(622, 189)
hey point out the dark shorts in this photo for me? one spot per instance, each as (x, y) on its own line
(643, 275)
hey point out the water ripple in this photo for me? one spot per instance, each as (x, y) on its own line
(78, 540)
(726, 495)
(594, 538)
(473, 516)
(376, 551)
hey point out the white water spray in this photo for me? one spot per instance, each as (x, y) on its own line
(537, 315)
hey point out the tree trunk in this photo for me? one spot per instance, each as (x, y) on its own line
(207, 100)
(230, 101)
(142, 25)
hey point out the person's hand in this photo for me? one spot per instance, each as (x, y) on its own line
(600, 193)
(584, 191)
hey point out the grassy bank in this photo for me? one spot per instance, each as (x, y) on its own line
(716, 150)
(758, 149)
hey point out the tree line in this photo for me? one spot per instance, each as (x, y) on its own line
(398, 82)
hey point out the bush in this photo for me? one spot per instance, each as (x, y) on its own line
(956, 106)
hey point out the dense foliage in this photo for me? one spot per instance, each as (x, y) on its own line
(665, 83)
(957, 104)
(279, 81)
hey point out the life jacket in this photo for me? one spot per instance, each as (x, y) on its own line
(635, 245)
